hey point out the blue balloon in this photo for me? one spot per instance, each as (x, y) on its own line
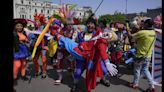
(130, 60)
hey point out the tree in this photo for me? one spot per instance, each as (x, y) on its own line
(105, 18)
(117, 16)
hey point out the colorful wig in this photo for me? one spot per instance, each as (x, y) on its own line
(39, 17)
(21, 21)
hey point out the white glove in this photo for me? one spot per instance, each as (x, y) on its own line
(111, 68)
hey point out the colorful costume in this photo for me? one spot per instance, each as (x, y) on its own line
(62, 54)
(21, 51)
(84, 36)
(42, 48)
(116, 48)
(88, 55)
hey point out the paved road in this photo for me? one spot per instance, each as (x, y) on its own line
(47, 85)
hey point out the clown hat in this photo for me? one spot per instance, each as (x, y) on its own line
(21, 21)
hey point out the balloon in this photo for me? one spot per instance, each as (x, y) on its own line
(130, 60)
(41, 36)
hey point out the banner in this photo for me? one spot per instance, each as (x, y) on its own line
(157, 60)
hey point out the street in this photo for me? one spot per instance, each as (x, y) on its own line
(47, 84)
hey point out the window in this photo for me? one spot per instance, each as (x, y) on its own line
(80, 14)
(48, 11)
(23, 16)
(35, 3)
(22, 1)
(29, 2)
(20, 16)
(35, 10)
(30, 16)
(41, 11)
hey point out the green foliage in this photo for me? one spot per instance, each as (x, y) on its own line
(117, 16)
(106, 18)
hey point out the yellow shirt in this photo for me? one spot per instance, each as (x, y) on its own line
(144, 39)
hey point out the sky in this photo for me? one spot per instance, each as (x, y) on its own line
(110, 6)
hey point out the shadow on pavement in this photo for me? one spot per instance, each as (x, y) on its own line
(126, 69)
(67, 77)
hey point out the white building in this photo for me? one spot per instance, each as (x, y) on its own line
(27, 8)
(83, 12)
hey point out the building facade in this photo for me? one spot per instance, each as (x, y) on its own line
(27, 8)
(152, 13)
(83, 12)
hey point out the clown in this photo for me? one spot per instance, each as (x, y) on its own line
(90, 32)
(21, 51)
(116, 49)
(42, 48)
(58, 55)
(56, 26)
(89, 53)
(61, 53)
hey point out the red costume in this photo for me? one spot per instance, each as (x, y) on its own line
(93, 51)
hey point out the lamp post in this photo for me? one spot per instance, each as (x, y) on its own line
(60, 2)
(126, 8)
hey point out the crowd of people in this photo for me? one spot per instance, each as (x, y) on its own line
(98, 48)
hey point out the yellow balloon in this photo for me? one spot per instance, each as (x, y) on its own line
(41, 36)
